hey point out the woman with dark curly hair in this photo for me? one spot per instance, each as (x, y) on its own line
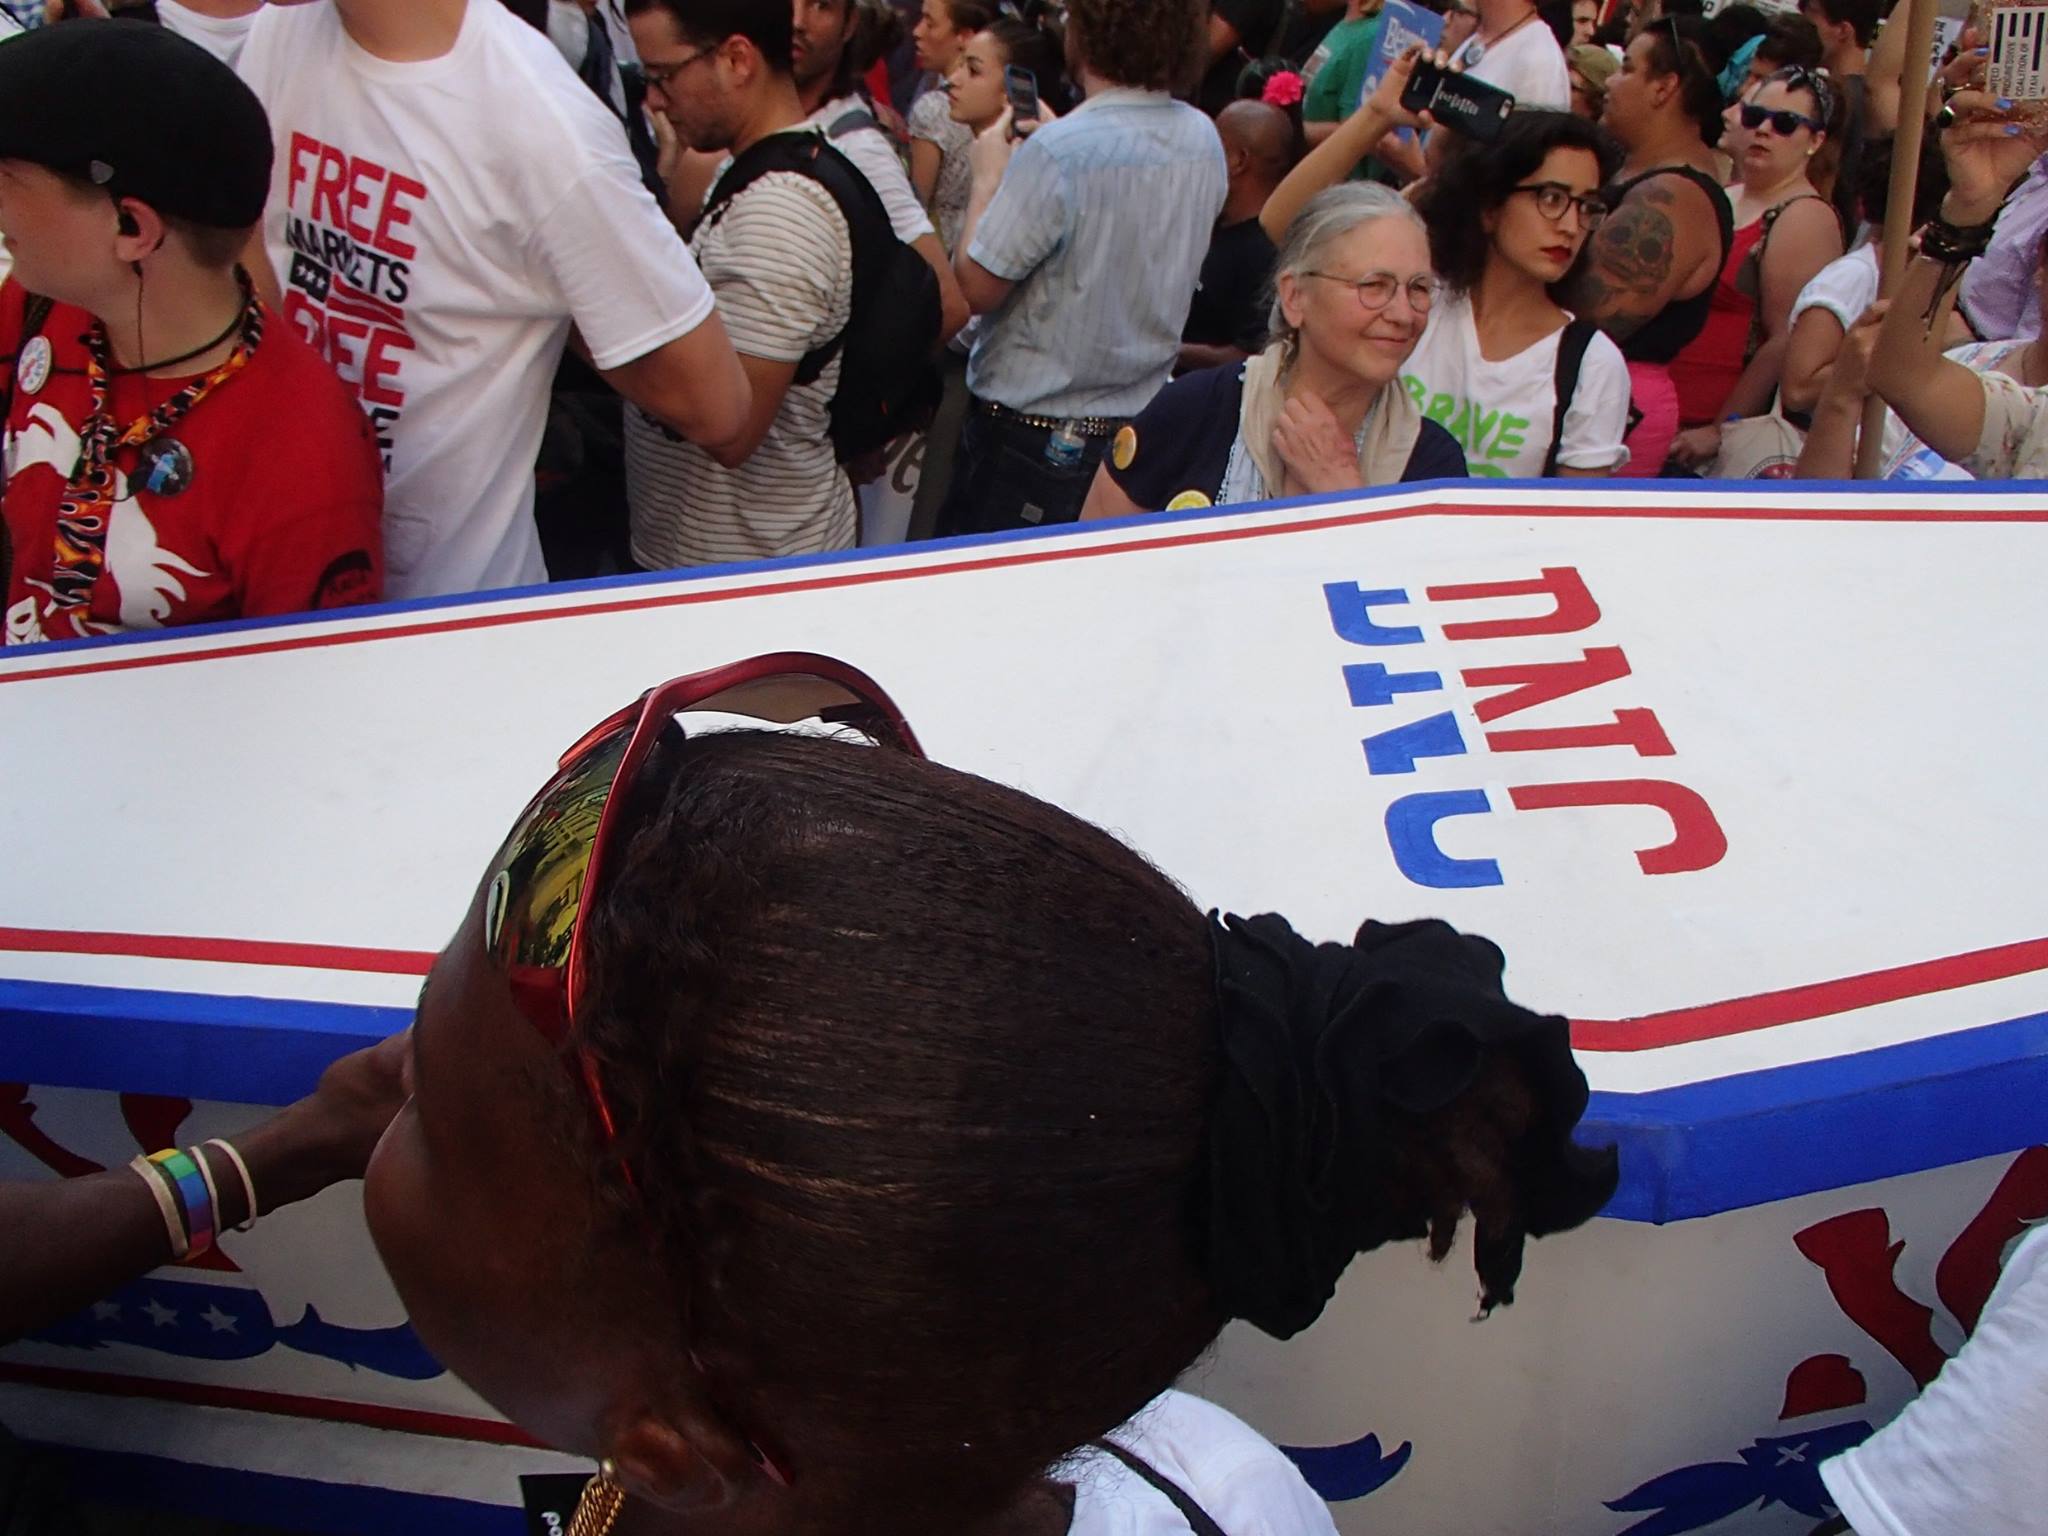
(1651, 274)
(1525, 388)
(755, 1150)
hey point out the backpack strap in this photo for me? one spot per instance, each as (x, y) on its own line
(1571, 357)
(851, 121)
(1197, 1517)
(808, 154)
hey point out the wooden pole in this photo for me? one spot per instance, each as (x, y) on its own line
(1898, 221)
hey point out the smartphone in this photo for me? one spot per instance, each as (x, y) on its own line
(2019, 53)
(1472, 107)
(1021, 86)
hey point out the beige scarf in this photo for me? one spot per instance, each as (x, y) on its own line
(1391, 427)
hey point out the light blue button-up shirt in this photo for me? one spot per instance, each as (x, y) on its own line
(1102, 221)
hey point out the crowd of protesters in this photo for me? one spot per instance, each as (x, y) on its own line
(362, 299)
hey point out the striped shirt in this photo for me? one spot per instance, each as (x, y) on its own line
(1102, 221)
(780, 261)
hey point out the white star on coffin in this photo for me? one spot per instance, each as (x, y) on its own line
(218, 1320)
(106, 1311)
(160, 1314)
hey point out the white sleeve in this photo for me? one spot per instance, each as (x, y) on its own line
(1844, 288)
(869, 148)
(630, 282)
(1964, 1458)
(1596, 421)
(1267, 1497)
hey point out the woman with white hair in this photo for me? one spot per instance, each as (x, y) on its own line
(1321, 410)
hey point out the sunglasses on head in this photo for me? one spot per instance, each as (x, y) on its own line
(551, 867)
(1683, 54)
(1783, 120)
(537, 908)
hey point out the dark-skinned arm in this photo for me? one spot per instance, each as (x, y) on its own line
(74, 1240)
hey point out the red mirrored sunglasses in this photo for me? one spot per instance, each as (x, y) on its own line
(554, 861)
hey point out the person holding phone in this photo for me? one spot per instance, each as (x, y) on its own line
(979, 86)
(939, 172)
(1082, 245)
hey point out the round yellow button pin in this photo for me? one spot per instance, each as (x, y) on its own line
(1125, 449)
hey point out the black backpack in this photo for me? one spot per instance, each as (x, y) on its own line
(888, 380)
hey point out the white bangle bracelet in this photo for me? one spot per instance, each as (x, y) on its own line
(166, 1201)
(248, 1183)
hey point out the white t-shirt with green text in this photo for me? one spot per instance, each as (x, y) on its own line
(1502, 412)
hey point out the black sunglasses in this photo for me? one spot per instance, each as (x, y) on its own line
(1783, 120)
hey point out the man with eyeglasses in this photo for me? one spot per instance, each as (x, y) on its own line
(778, 252)
(449, 200)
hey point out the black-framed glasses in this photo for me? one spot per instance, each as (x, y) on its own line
(1376, 290)
(658, 76)
(1554, 197)
(1783, 120)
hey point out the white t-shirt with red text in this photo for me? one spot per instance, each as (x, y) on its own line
(437, 226)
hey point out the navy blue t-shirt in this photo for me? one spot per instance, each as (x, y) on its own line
(1178, 447)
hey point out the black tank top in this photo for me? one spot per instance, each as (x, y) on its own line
(1664, 335)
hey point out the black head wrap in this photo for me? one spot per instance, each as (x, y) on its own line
(1321, 1043)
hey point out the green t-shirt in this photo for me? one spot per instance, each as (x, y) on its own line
(1333, 94)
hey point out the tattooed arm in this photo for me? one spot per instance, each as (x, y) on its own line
(1647, 254)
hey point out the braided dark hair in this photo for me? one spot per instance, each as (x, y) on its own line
(916, 1076)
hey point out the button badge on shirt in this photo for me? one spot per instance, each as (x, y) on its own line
(166, 467)
(32, 367)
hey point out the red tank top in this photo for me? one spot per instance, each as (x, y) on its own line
(1712, 361)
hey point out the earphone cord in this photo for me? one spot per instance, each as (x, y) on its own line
(183, 357)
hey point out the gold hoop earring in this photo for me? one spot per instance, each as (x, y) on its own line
(598, 1510)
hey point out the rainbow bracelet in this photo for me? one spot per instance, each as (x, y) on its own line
(165, 1193)
(193, 1194)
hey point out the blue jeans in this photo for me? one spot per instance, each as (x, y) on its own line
(1002, 479)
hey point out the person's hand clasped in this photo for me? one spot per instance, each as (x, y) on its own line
(1318, 454)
